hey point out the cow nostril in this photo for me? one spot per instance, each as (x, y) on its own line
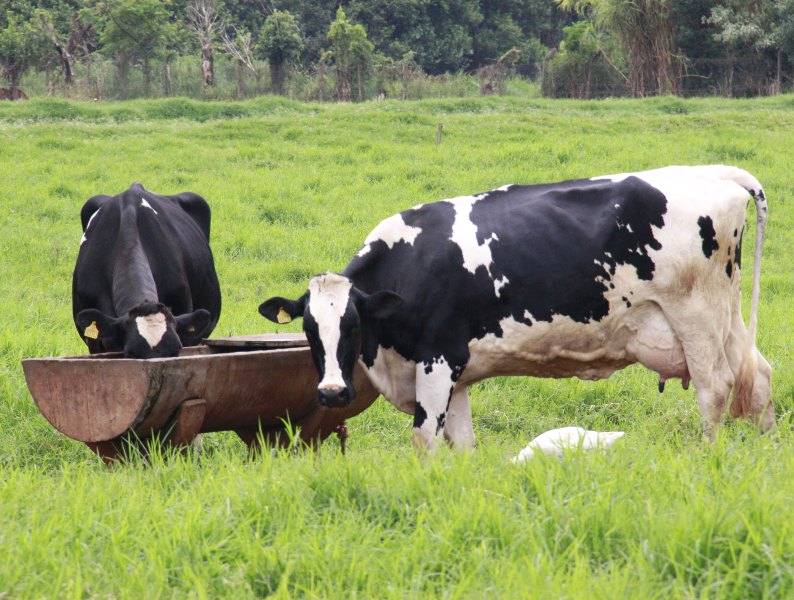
(333, 395)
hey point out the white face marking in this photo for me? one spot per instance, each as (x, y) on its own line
(152, 328)
(84, 239)
(391, 230)
(328, 297)
(145, 204)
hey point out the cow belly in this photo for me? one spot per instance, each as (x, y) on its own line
(564, 348)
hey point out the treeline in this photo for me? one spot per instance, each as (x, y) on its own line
(359, 49)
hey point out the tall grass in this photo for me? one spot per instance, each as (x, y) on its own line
(294, 189)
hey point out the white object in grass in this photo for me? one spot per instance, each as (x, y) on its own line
(553, 442)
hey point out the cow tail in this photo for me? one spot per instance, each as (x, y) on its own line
(743, 388)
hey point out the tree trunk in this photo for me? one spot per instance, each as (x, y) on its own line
(343, 85)
(240, 68)
(123, 72)
(277, 76)
(67, 64)
(360, 87)
(91, 85)
(207, 63)
(147, 77)
(779, 72)
(167, 81)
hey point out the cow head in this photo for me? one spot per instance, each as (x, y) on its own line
(147, 331)
(334, 314)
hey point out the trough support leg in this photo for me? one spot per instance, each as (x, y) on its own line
(188, 422)
(109, 451)
(342, 433)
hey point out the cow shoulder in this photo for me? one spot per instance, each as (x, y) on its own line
(91, 205)
(198, 209)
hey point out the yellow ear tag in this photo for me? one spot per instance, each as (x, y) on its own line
(282, 316)
(91, 332)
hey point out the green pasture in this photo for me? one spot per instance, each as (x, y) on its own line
(294, 190)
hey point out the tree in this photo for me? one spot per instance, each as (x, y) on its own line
(351, 53)
(584, 66)
(644, 29)
(439, 32)
(60, 41)
(133, 32)
(280, 42)
(202, 17)
(754, 27)
(21, 47)
(240, 48)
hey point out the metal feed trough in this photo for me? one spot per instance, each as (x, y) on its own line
(242, 384)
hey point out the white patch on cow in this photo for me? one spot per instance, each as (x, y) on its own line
(504, 188)
(464, 234)
(498, 284)
(391, 230)
(433, 392)
(84, 239)
(152, 328)
(328, 297)
(145, 204)
(394, 376)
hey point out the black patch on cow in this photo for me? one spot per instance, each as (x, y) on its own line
(558, 246)
(707, 234)
(440, 421)
(737, 256)
(626, 300)
(735, 232)
(420, 415)
(729, 268)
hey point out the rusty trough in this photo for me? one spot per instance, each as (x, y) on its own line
(243, 384)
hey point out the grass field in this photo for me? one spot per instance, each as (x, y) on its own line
(294, 189)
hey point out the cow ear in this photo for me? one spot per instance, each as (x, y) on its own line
(192, 327)
(280, 310)
(382, 305)
(94, 324)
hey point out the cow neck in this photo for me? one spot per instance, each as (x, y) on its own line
(133, 281)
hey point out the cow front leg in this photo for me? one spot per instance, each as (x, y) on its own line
(458, 430)
(434, 386)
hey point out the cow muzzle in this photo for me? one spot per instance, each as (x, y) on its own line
(335, 396)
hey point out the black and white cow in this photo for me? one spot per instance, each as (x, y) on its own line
(572, 279)
(145, 281)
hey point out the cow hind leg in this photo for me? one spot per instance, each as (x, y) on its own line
(434, 386)
(458, 430)
(753, 396)
(710, 371)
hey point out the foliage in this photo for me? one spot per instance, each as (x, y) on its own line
(21, 47)
(582, 68)
(294, 190)
(133, 32)
(351, 53)
(646, 47)
(280, 42)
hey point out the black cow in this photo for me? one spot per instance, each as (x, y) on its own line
(145, 281)
(573, 279)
